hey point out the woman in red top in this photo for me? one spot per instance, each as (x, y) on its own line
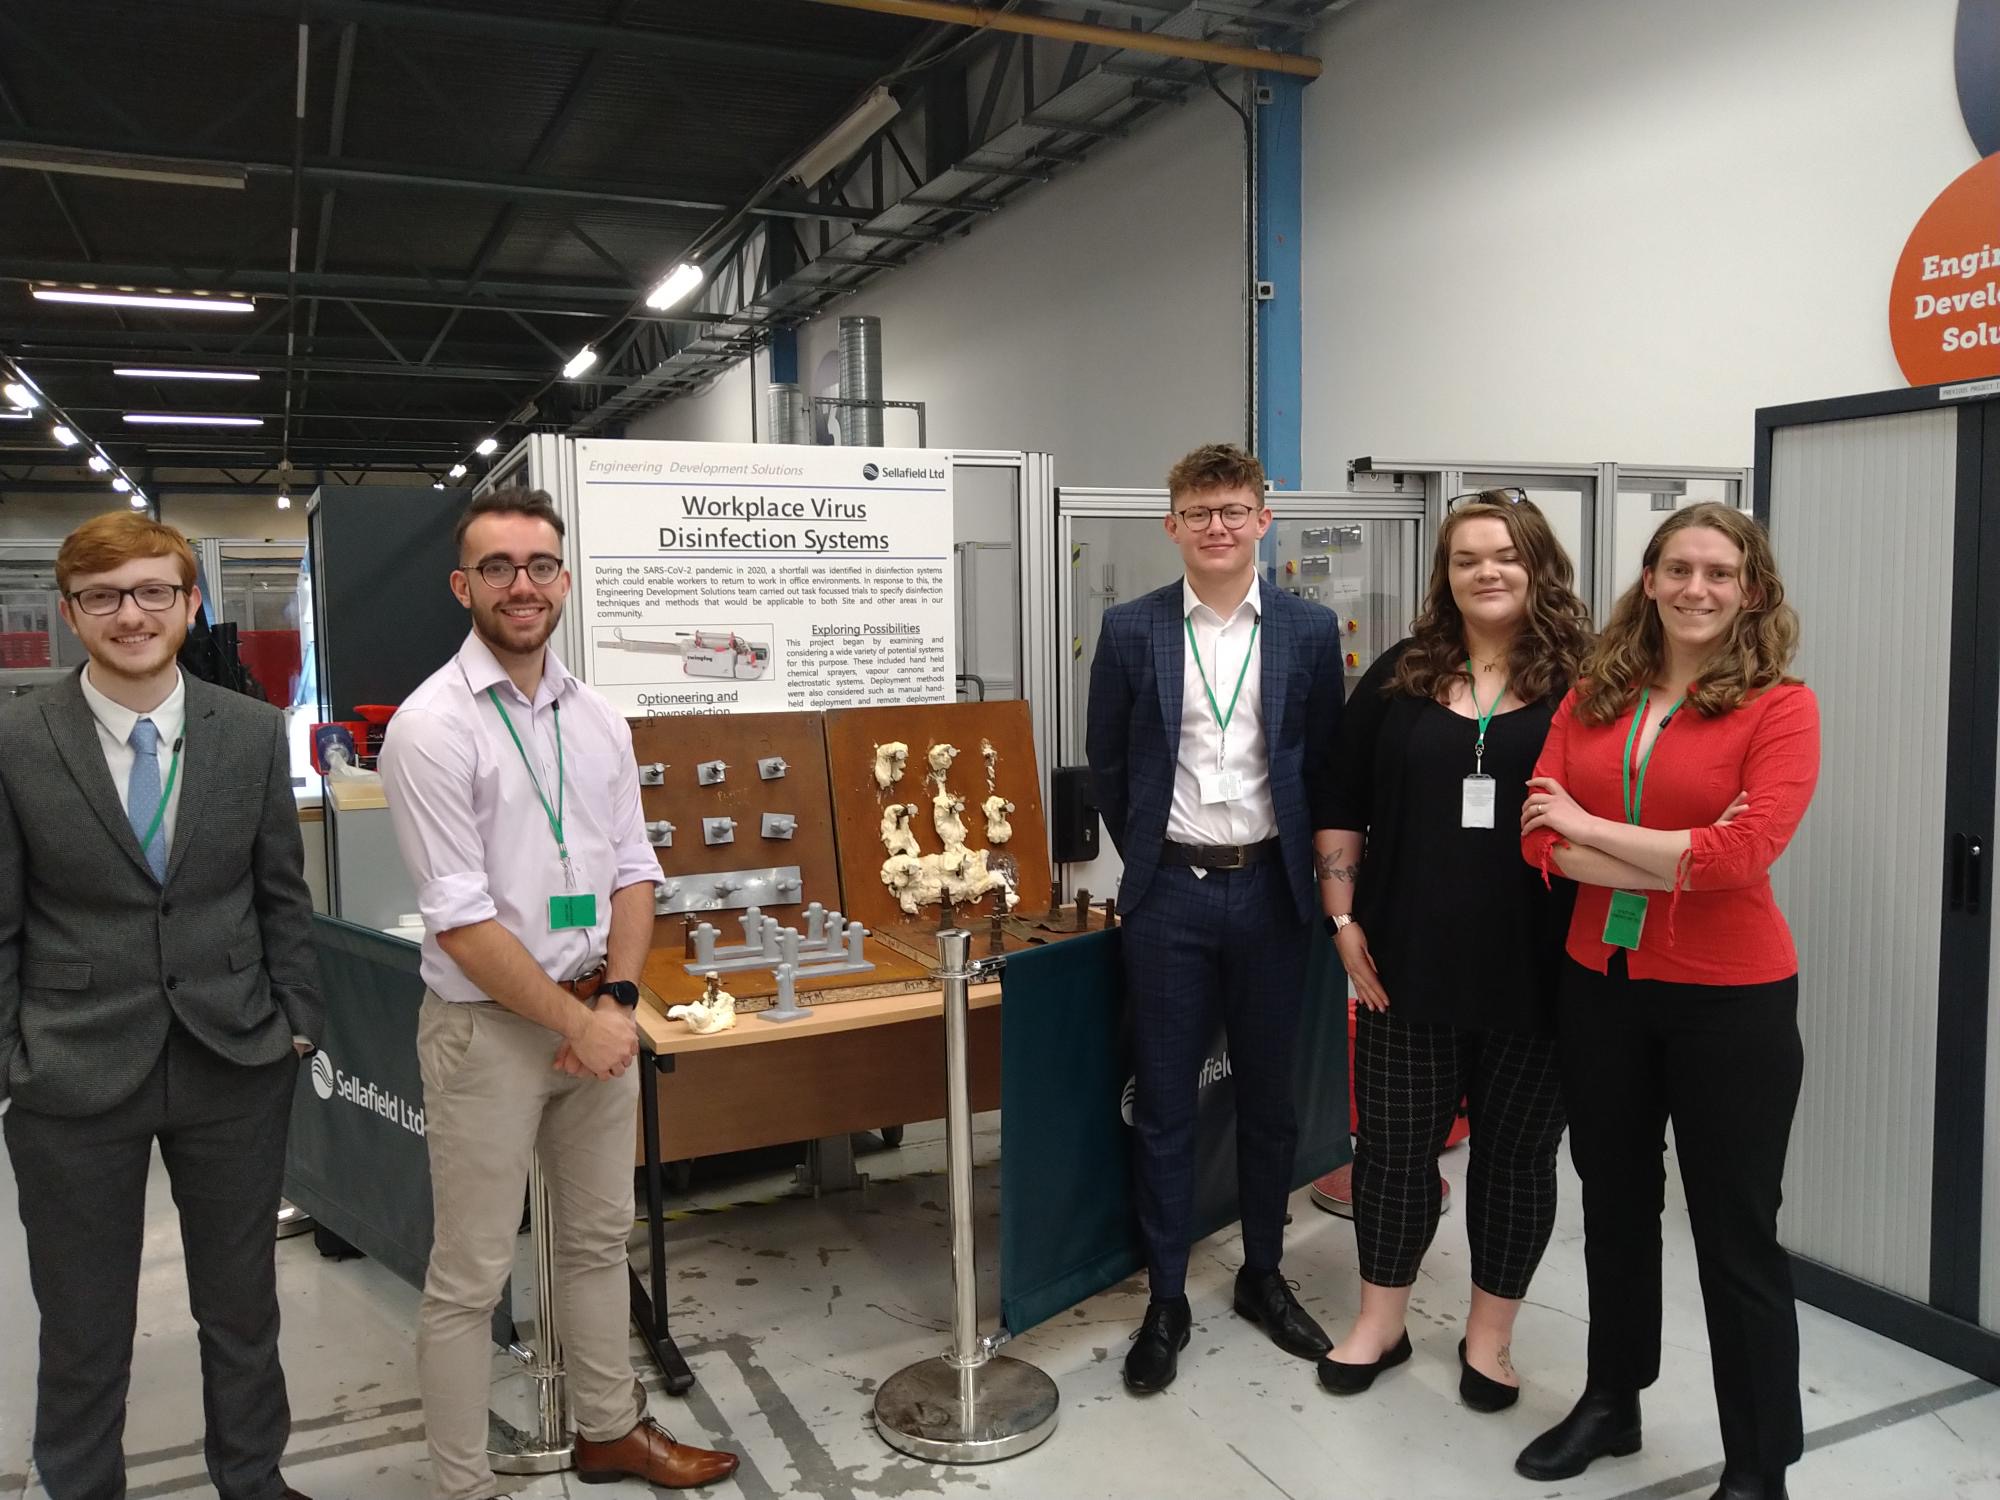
(1672, 779)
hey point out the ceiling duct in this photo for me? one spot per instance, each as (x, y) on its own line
(860, 381)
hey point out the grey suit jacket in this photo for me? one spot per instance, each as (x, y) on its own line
(97, 956)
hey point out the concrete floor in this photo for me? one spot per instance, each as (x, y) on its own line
(792, 1312)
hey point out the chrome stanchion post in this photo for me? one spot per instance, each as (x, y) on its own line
(544, 1447)
(968, 1405)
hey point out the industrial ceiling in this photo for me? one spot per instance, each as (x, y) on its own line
(397, 224)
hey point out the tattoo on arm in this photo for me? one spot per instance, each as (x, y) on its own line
(1329, 867)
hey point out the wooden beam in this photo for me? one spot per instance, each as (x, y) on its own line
(979, 18)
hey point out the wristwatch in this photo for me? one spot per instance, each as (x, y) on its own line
(1335, 923)
(624, 991)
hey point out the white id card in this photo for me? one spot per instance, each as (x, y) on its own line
(1223, 786)
(1475, 802)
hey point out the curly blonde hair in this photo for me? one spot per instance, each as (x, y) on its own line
(1632, 651)
(1553, 640)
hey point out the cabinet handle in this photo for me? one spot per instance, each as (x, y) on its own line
(1975, 854)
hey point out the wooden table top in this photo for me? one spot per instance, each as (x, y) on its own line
(661, 1036)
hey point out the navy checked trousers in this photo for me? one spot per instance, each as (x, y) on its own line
(1228, 941)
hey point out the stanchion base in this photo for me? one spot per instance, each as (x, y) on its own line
(944, 1415)
(292, 1220)
(512, 1451)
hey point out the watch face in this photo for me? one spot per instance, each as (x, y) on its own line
(624, 991)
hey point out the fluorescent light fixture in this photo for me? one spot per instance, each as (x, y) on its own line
(19, 395)
(457, 472)
(487, 446)
(125, 165)
(14, 416)
(120, 483)
(675, 287)
(153, 301)
(138, 502)
(580, 361)
(147, 374)
(187, 419)
(846, 138)
(284, 501)
(64, 436)
(99, 464)
(437, 484)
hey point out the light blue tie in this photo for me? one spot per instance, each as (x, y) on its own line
(142, 794)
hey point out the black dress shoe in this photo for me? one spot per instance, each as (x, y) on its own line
(1265, 1298)
(1352, 1380)
(1601, 1424)
(1740, 1484)
(1483, 1392)
(1156, 1348)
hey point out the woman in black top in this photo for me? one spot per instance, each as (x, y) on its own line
(1453, 945)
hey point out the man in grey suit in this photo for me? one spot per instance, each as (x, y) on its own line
(157, 985)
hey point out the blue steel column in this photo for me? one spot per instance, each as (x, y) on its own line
(785, 356)
(1278, 210)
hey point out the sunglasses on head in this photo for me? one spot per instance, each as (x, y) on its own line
(1512, 494)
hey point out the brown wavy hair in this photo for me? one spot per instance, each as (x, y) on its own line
(1632, 652)
(1549, 648)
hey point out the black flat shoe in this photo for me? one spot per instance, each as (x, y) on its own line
(1602, 1424)
(1482, 1392)
(1352, 1380)
(1156, 1348)
(1737, 1484)
(1265, 1298)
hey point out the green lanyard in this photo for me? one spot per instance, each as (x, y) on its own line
(160, 812)
(555, 814)
(1221, 719)
(1634, 795)
(1485, 718)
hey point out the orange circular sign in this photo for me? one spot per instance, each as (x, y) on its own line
(1944, 304)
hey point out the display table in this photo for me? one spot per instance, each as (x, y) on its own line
(849, 1066)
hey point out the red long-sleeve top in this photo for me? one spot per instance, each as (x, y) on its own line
(1721, 925)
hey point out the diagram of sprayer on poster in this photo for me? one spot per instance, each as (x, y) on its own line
(739, 578)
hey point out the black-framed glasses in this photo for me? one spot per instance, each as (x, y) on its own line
(154, 598)
(1235, 517)
(499, 573)
(1511, 494)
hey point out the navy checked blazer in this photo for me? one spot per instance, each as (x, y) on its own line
(1133, 734)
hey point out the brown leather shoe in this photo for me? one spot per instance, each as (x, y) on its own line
(649, 1452)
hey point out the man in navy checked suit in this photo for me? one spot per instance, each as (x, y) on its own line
(1213, 709)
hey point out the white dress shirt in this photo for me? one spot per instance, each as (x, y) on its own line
(472, 830)
(1227, 647)
(114, 737)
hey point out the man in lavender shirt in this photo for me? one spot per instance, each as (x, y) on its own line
(516, 805)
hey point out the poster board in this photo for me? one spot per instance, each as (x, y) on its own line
(738, 578)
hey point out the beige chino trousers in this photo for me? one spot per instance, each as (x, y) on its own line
(491, 1099)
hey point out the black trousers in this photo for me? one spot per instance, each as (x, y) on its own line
(221, 1130)
(1227, 942)
(1408, 1079)
(1723, 1064)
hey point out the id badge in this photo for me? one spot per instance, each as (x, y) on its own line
(567, 912)
(1475, 802)
(1221, 786)
(1625, 923)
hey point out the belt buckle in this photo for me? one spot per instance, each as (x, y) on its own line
(1237, 858)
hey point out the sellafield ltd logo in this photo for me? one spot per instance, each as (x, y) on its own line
(327, 1081)
(873, 472)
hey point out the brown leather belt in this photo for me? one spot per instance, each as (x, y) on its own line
(584, 985)
(1218, 856)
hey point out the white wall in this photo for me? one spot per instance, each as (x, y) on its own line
(1100, 317)
(720, 414)
(1559, 230)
